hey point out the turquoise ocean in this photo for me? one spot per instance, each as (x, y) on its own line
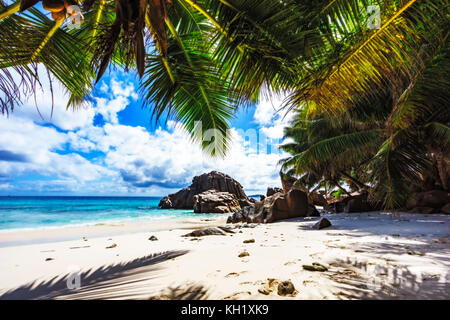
(42, 212)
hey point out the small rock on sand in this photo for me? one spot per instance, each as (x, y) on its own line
(49, 259)
(416, 253)
(111, 246)
(322, 224)
(249, 241)
(153, 238)
(315, 267)
(243, 254)
(286, 288)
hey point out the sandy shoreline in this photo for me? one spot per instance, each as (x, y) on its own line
(368, 255)
(101, 229)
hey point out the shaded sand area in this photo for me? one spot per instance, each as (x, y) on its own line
(368, 256)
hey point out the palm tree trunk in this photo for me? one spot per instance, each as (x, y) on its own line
(10, 10)
(356, 181)
(442, 169)
(342, 188)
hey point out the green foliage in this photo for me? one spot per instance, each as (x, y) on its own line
(389, 145)
(371, 104)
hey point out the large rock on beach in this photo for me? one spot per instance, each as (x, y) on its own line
(272, 191)
(432, 201)
(287, 182)
(206, 232)
(317, 199)
(322, 224)
(213, 201)
(354, 203)
(276, 207)
(446, 208)
(184, 199)
(423, 210)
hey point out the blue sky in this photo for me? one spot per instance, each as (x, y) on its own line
(112, 147)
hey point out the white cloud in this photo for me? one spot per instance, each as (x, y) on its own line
(134, 159)
(37, 146)
(270, 117)
(46, 107)
(122, 94)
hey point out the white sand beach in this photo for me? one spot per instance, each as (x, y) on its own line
(368, 256)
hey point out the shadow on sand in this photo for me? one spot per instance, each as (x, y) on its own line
(183, 292)
(362, 280)
(132, 279)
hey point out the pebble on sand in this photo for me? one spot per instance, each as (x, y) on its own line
(315, 267)
(243, 254)
(286, 288)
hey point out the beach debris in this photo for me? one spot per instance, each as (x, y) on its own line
(111, 246)
(432, 277)
(415, 253)
(315, 266)
(264, 291)
(249, 241)
(49, 259)
(232, 274)
(269, 286)
(349, 272)
(81, 247)
(85, 239)
(243, 254)
(286, 288)
(441, 240)
(205, 232)
(322, 224)
(153, 238)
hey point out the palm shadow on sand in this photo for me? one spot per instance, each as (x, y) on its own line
(360, 274)
(132, 279)
(385, 282)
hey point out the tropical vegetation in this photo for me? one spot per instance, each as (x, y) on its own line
(371, 103)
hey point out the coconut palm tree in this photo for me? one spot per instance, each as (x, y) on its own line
(208, 56)
(390, 147)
